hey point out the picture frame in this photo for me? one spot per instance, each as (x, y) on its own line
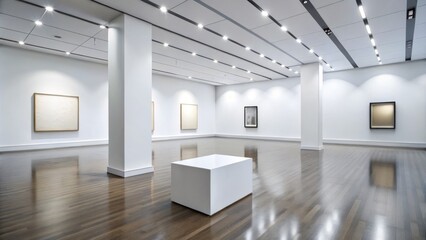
(55, 113)
(188, 116)
(250, 117)
(152, 116)
(382, 115)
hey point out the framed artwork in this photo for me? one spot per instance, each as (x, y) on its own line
(250, 117)
(188, 116)
(55, 113)
(382, 115)
(152, 116)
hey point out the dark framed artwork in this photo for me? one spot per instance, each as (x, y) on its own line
(382, 115)
(250, 117)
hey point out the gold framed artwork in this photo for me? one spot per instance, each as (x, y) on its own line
(188, 116)
(382, 115)
(55, 113)
(152, 117)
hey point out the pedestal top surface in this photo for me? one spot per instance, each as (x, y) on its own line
(211, 161)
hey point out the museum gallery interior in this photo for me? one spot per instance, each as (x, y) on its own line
(213, 119)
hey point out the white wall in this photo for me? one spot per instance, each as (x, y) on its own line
(346, 99)
(168, 93)
(278, 104)
(347, 95)
(23, 72)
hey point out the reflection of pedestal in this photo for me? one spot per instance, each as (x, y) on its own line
(209, 184)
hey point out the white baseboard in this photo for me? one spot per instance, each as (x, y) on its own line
(129, 173)
(180, 137)
(375, 143)
(316, 148)
(40, 146)
(258, 137)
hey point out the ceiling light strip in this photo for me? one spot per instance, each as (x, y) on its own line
(196, 24)
(409, 26)
(368, 29)
(211, 59)
(317, 17)
(183, 76)
(189, 38)
(55, 50)
(286, 30)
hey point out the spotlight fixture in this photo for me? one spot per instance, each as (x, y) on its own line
(273, 61)
(21, 43)
(163, 9)
(327, 31)
(225, 37)
(284, 28)
(291, 70)
(165, 44)
(233, 66)
(282, 65)
(411, 13)
(215, 61)
(373, 42)
(380, 62)
(319, 58)
(378, 59)
(248, 48)
(296, 72)
(248, 71)
(367, 27)
(189, 77)
(251, 79)
(298, 40)
(261, 55)
(38, 23)
(361, 10)
(328, 65)
(67, 53)
(311, 50)
(102, 26)
(193, 54)
(376, 51)
(49, 8)
(200, 26)
(264, 13)
(305, 1)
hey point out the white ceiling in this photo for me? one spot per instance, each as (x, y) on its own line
(238, 19)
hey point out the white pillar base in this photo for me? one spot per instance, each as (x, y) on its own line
(129, 173)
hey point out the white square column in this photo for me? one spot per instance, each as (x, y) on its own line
(311, 77)
(130, 83)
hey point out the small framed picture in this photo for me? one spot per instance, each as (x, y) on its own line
(382, 115)
(250, 117)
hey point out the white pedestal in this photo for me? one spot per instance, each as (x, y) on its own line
(211, 183)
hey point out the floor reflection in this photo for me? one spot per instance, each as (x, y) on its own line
(188, 151)
(383, 173)
(251, 152)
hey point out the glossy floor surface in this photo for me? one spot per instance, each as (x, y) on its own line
(343, 192)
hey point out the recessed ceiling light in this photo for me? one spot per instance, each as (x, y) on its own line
(163, 9)
(328, 65)
(233, 66)
(305, 2)
(373, 42)
(165, 44)
(261, 55)
(311, 50)
(298, 40)
(194, 54)
(189, 77)
(67, 53)
(200, 26)
(102, 27)
(273, 61)
(290, 69)
(248, 71)
(368, 28)
(225, 37)
(38, 23)
(215, 61)
(284, 28)
(296, 72)
(21, 42)
(378, 59)
(251, 79)
(361, 10)
(248, 48)
(49, 8)
(264, 13)
(376, 51)
(282, 65)
(320, 58)
(380, 62)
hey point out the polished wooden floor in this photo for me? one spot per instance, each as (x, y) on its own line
(344, 192)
